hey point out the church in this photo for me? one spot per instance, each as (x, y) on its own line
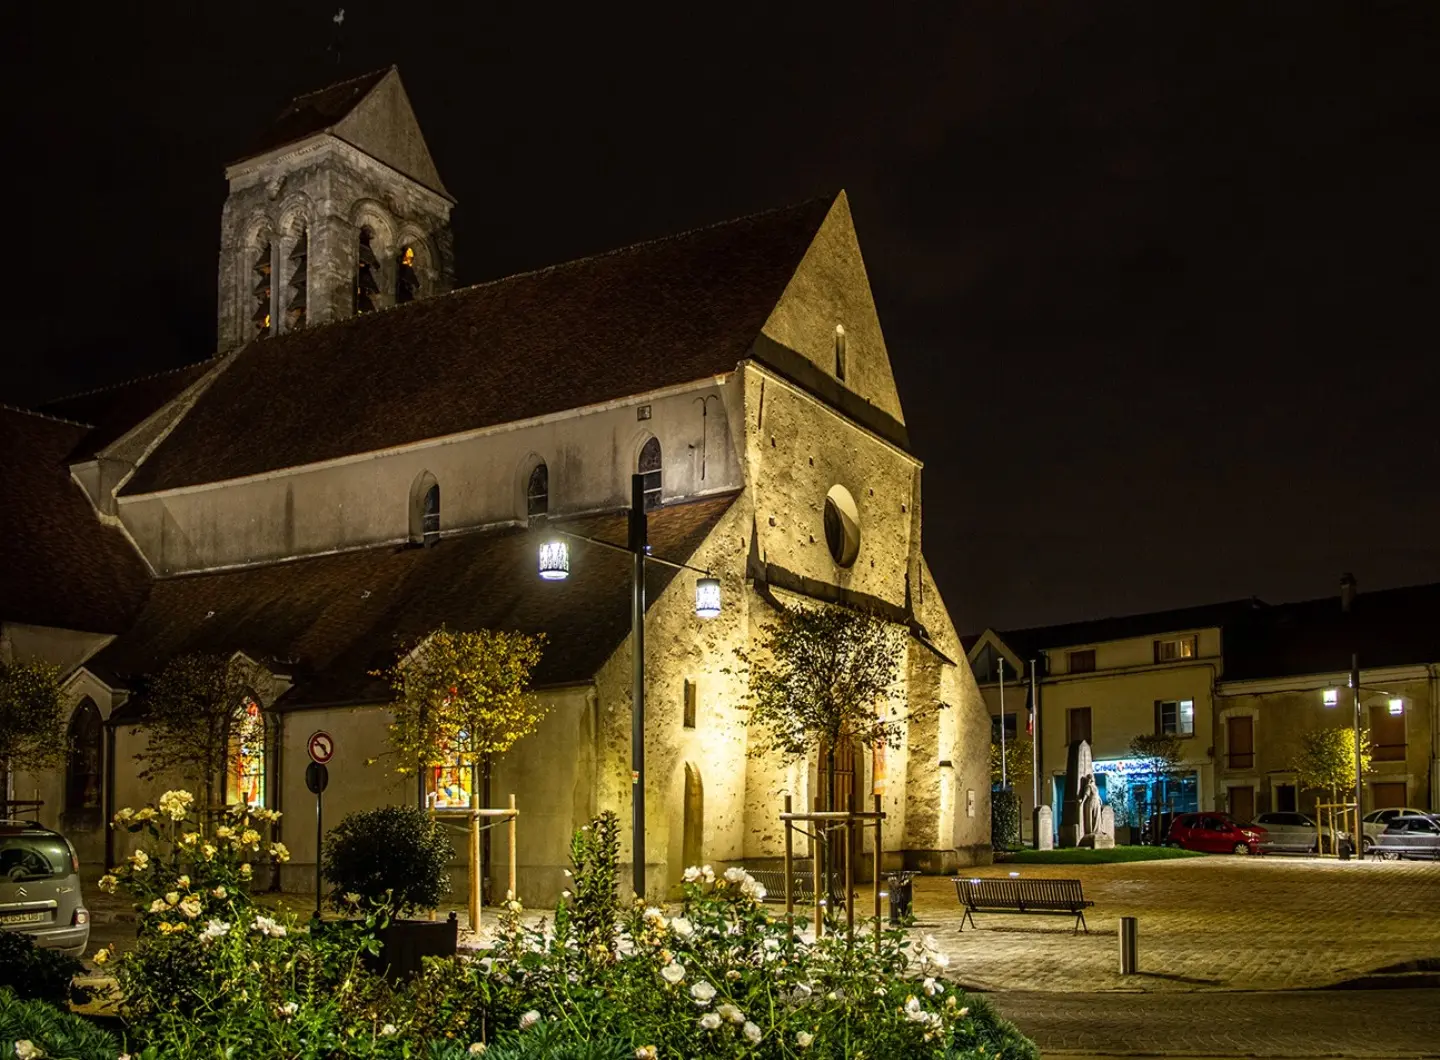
(373, 453)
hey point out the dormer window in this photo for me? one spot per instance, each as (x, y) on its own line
(407, 280)
(299, 263)
(840, 352)
(537, 491)
(367, 274)
(261, 315)
(649, 467)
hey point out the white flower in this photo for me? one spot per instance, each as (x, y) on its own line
(736, 875)
(388, 1031)
(702, 992)
(803, 1039)
(476, 1048)
(672, 973)
(159, 906)
(140, 860)
(108, 883)
(965, 1012)
(691, 874)
(730, 1012)
(183, 883)
(268, 927)
(750, 1031)
(932, 987)
(214, 930)
(682, 927)
(279, 852)
(707, 874)
(645, 1052)
(288, 1009)
(624, 946)
(709, 1021)
(176, 804)
(25, 1049)
(190, 906)
(220, 892)
(529, 1020)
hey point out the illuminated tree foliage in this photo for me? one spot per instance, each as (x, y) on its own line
(1327, 759)
(1162, 758)
(1019, 759)
(192, 710)
(463, 695)
(32, 735)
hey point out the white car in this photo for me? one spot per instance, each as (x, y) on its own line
(1375, 822)
(1294, 833)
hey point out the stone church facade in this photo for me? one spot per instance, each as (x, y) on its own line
(373, 454)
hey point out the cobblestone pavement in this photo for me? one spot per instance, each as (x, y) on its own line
(1220, 922)
(1307, 1023)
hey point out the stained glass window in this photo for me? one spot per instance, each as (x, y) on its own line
(246, 782)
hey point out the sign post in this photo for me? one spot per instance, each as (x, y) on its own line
(317, 777)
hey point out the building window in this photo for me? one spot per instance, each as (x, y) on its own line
(246, 782)
(649, 467)
(842, 526)
(425, 510)
(690, 704)
(537, 490)
(1077, 724)
(367, 274)
(262, 268)
(1173, 649)
(452, 783)
(1332, 697)
(1240, 742)
(1175, 717)
(840, 352)
(1387, 735)
(407, 280)
(83, 764)
(989, 664)
(1081, 662)
(299, 262)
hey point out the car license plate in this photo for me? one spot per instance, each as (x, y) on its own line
(24, 918)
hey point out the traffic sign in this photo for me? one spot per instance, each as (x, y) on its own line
(316, 777)
(322, 747)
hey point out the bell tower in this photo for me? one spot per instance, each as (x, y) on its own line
(337, 210)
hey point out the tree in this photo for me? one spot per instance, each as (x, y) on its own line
(1019, 759)
(32, 735)
(1162, 757)
(193, 710)
(1327, 759)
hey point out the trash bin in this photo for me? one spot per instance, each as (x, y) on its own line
(1346, 848)
(902, 894)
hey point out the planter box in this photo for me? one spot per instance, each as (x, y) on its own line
(405, 943)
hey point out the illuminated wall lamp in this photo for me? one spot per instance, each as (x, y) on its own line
(1332, 697)
(707, 597)
(1397, 706)
(554, 561)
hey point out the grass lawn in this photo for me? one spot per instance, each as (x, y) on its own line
(1086, 856)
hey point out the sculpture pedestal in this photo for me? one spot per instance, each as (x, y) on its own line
(1043, 822)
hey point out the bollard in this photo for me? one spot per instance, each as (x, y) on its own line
(1129, 946)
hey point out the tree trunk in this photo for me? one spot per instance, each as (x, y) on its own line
(829, 847)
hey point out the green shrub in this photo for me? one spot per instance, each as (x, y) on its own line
(1004, 819)
(56, 1033)
(33, 973)
(395, 856)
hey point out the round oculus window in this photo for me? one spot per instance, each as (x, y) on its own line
(842, 526)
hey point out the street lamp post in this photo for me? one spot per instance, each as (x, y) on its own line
(555, 566)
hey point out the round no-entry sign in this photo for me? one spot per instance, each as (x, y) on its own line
(322, 747)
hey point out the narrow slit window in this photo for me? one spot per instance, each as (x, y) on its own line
(840, 352)
(649, 467)
(689, 707)
(537, 491)
(299, 261)
(367, 274)
(407, 280)
(261, 315)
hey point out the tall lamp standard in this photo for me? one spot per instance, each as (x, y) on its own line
(555, 566)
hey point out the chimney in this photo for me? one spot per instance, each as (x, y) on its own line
(1348, 589)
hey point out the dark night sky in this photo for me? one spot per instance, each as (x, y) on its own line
(1159, 280)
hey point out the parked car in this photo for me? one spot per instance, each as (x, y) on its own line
(1375, 822)
(1215, 833)
(1414, 836)
(40, 887)
(1295, 833)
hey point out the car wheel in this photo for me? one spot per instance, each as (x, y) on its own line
(1366, 844)
(1241, 848)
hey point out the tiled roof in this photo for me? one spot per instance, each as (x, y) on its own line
(1027, 642)
(315, 112)
(329, 620)
(1390, 627)
(114, 410)
(59, 565)
(663, 313)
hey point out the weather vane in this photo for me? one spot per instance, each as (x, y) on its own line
(339, 19)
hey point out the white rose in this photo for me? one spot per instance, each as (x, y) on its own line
(682, 927)
(803, 1039)
(751, 1031)
(730, 1012)
(389, 1030)
(529, 1020)
(28, 1050)
(691, 874)
(672, 973)
(703, 992)
(288, 1009)
(476, 1048)
(736, 875)
(709, 1021)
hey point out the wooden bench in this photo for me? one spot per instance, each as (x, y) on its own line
(802, 885)
(1021, 896)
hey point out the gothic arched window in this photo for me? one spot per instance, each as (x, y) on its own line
(261, 315)
(649, 467)
(407, 280)
(299, 260)
(83, 769)
(367, 274)
(425, 510)
(537, 491)
(246, 780)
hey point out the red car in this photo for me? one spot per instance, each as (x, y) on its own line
(1215, 833)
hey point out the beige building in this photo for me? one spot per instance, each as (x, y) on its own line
(1237, 683)
(371, 456)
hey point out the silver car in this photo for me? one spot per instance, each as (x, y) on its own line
(1294, 833)
(40, 887)
(1416, 836)
(1375, 822)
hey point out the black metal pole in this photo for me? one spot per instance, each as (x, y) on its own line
(1356, 840)
(319, 834)
(639, 539)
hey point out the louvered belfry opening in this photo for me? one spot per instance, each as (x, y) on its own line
(367, 275)
(407, 280)
(261, 316)
(299, 261)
